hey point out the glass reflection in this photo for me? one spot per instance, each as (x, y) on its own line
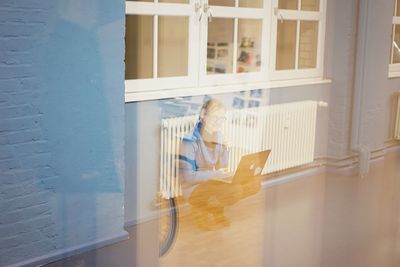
(249, 45)
(173, 46)
(396, 44)
(219, 172)
(397, 11)
(230, 3)
(308, 46)
(80, 168)
(288, 4)
(310, 5)
(203, 163)
(251, 3)
(139, 47)
(286, 45)
(220, 46)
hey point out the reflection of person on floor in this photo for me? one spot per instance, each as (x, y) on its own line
(203, 156)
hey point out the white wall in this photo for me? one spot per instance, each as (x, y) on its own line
(378, 103)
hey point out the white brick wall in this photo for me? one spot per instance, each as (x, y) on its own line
(36, 218)
(343, 36)
(26, 224)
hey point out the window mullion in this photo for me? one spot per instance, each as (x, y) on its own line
(300, 15)
(392, 44)
(242, 12)
(297, 45)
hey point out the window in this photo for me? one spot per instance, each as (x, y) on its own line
(233, 43)
(181, 47)
(298, 37)
(394, 66)
(160, 45)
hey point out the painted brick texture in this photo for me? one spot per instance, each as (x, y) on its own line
(60, 154)
(25, 218)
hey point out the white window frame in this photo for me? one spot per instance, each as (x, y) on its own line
(286, 14)
(235, 13)
(394, 68)
(198, 82)
(156, 9)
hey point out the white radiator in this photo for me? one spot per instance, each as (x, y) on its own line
(287, 129)
(397, 126)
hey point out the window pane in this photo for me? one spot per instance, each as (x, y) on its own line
(222, 2)
(141, 0)
(286, 45)
(310, 5)
(288, 4)
(220, 45)
(308, 44)
(174, 1)
(249, 45)
(139, 47)
(396, 45)
(251, 3)
(172, 46)
(398, 8)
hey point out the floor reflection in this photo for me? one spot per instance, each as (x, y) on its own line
(326, 219)
(330, 218)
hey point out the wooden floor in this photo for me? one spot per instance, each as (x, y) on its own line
(334, 219)
(225, 246)
(260, 224)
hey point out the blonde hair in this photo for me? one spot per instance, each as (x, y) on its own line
(211, 106)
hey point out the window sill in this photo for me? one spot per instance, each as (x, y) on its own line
(181, 92)
(394, 71)
(394, 74)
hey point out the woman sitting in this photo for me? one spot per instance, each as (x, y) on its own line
(203, 156)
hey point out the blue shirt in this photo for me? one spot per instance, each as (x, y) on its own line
(198, 161)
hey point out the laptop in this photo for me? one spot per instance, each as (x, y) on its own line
(250, 165)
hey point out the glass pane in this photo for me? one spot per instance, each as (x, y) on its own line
(288, 4)
(310, 5)
(220, 46)
(251, 3)
(396, 45)
(141, 0)
(397, 8)
(286, 45)
(172, 46)
(139, 47)
(222, 2)
(174, 1)
(308, 44)
(249, 45)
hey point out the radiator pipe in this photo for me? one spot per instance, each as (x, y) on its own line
(357, 147)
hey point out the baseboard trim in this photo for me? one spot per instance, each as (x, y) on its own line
(293, 176)
(352, 160)
(346, 164)
(68, 252)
